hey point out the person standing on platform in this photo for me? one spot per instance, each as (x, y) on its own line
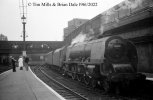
(13, 61)
(26, 62)
(20, 62)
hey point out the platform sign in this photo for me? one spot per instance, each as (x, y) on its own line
(24, 53)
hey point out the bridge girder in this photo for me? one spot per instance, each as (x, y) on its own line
(32, 47)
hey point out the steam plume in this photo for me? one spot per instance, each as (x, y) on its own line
(80, 38)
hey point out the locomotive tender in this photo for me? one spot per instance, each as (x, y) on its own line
(105, 62)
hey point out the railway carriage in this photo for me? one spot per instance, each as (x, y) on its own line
(58, 56)
(49, 58)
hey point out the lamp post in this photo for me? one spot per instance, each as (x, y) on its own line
(24, 44)
(23, 11)
(24, 23)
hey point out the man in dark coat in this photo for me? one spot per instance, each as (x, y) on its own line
(13, 61)
(26, 63)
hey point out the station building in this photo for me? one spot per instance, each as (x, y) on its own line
(3, 37)
(72, 25)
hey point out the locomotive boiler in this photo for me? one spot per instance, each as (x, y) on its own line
(109, 61)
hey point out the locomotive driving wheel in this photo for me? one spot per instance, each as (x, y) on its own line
(73, 75)
(86, 79)
(80, 70)
(79, 77)
(73, 72)
(64, 70)
(93, 83)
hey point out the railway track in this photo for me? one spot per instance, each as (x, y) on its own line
(82, 89)
(64, 91)
(74, 90)
(70, 90)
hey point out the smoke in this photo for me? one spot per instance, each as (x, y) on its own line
(80, 38)
(90, 35)
(83, 37)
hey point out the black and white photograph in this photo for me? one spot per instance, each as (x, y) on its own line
(76, 49)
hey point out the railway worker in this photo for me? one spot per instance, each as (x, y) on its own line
(13, 61)
(26, 62)
(20, 62)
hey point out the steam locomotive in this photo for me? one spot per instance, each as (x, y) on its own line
(107, 62)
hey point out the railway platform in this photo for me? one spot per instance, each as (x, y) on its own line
(24, 85)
